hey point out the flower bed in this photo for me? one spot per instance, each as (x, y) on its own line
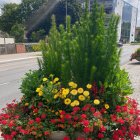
(71, 110)
(136, 55)
(90, 101)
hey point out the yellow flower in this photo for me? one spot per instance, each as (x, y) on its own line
(55, 80)
(72, 104)
(81, 97)
(80, 90)
(106, 106)
(40, 93)
(67, 101)
(72, 84)
(63, 96)
(89, 86)
(38, 90)
(45, 79)
(60, 111)
(86, 93)
(26, 104)
(76, 102)
(74, 92)
(41, 86)
(65, 92)
(96, 102)
(55, 96)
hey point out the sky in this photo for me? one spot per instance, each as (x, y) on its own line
(133, 2)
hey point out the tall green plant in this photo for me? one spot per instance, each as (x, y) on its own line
(84, 52)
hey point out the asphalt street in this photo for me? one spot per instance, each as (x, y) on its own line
(10, 79)
(11, 73)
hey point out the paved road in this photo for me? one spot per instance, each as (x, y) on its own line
(12, 72)
(10, 79)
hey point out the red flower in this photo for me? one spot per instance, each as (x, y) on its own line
(38, 120)
(3, 122)
(100, 135)
(53, 121)
(66, 138)
(120, 120)
(85, 123)
(113, 117)
(102, 129)
(132, 111)
(118, 108)
(80, 138)
(103, 110)
(83, 116)
(13, 133)
(86, 130)
(17, 117)
(86, 107)
(40, 104)
(35, 110)
(75, 109)
(67, 116)
(76, 118)
(23, 131)
(31, 122)
(97, 114)
(43, 116)
(124, 108)
(62, 112)
(92, 109)
(11, 124)
(46, 133)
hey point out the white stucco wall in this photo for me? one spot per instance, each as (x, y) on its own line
(133, 24)
(7, 40)
(118, 11)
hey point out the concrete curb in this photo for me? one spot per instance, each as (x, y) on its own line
(19, 59)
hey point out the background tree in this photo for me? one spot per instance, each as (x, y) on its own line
(17, 31)
(9, 16)
(37, 35)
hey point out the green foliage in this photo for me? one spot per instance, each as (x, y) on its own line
(17, 31)
(36, 47)
(9, 17)
(31, 80)
(86, 51)
(36, 36)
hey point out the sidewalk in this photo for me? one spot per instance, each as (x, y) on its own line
(18, 57)
(133, 68)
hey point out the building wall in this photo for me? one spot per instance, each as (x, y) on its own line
(118, 10)
(7, 40)
(133, 24)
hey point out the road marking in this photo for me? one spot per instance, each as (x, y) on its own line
(1, 84)
(19, 59)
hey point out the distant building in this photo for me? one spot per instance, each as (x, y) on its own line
(137, 34)
(5, 39)
(128, 17)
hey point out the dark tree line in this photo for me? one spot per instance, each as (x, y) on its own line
(12, 20)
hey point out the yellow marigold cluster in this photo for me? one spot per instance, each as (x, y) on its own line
(72, 96)
(39, 90)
